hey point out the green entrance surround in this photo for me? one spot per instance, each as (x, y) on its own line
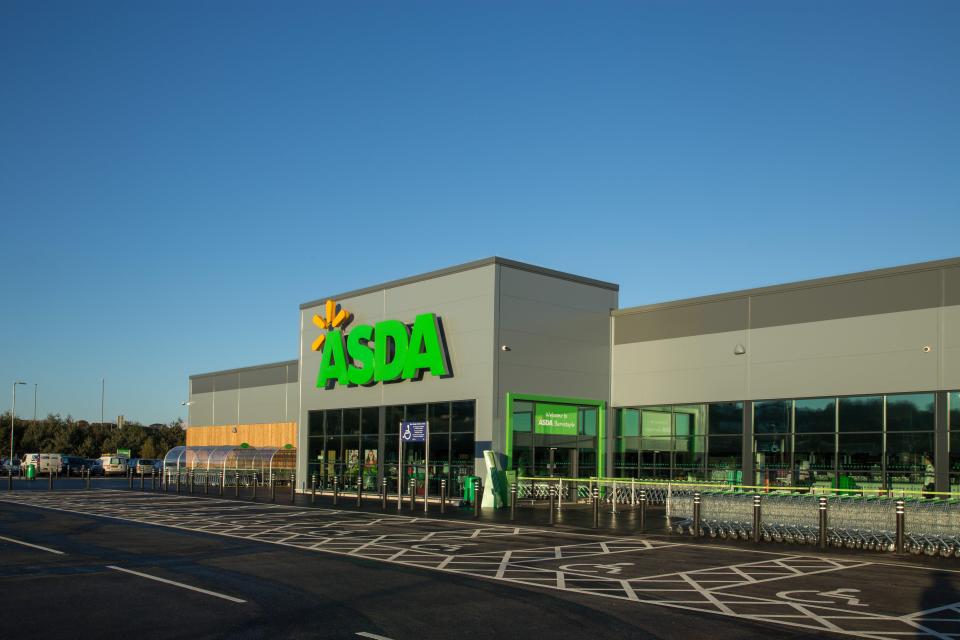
(600, 405)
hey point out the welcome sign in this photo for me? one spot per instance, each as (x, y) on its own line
(555, 419)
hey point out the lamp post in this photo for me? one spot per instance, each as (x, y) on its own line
(13, 418)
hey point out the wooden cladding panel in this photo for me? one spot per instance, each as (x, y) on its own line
(271, 434)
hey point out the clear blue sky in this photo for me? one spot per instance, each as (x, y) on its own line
(176, 177)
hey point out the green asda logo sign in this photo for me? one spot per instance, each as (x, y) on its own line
(389, 351)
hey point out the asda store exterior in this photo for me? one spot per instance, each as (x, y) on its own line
(852, 378)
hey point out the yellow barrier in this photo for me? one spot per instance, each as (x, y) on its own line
(751, 488)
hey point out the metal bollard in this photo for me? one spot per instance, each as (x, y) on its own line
(476, 497)
(822, 541)
(273, 489)
(130, 478)
(50, 477)
(360, 488)
(596, 507)
(552, 491)
(293, 486)
(236, 487)
(756, 518)
(643, 510)
(695, 529)
(513, 501)
(383, 494)
(178, 481)
(336, 489)
(206, 483)
(190, 481)
(253, 486)
(313, 489)
(413, 495)
(88, 478)
(443, 495)
(153, 479)
(901, 529)
(10, 478)
(223, 481)
(142, 487)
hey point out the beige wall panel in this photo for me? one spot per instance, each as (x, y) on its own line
(680, 386)
(711, 351)
(950, 352)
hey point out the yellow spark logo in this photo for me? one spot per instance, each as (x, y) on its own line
(334, 318)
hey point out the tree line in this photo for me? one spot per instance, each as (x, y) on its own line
(56, 434)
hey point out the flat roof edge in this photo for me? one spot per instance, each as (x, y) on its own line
(466, 266)
(255, 367)
(791, 286)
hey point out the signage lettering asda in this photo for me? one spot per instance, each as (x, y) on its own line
(388, 351)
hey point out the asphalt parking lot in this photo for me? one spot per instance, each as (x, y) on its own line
(108, 563)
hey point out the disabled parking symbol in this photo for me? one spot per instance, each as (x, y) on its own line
(603, 569)
(845, 596)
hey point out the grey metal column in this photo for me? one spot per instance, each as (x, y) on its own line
(941, 444)
(747, 465)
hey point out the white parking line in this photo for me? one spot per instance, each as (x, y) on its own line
(35, 546)
(177, 584)
(367, 634)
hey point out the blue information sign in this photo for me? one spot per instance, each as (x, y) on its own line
(413, 431)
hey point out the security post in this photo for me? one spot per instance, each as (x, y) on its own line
(142, 487)
(273, 488)
(552, 492)
(643, 510)
(695, 529)
(236, 488)
(476, 497)
(336, 489)
(413, 494)
(596, 507)
(50, 480)
(513, 501)
(383, 494)
(823, 522)
(293, 486)
(900, 526)
(129, 478)
(313, 489)
(178, 481)
(360, 487)
(443, 495)
(153, 479)
(10, 478)
(756, 518)
(223, 481)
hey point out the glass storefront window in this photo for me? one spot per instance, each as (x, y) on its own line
(860, 459)
(772, 416)
(587, 419)
(953, 399)
(315, 424)
(334, 425)
(351, 422)
(772, 459)
(813, 458)
(438, 415)
(655, 424)
(911, 412)
(910, 461)
(815, 415)
(370, 419)
(394, 416)
(724, 458)
(522, 417)
(628, 423)
(463, 416)
(725, 418)
(864, 413)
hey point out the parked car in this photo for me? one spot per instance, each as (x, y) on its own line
(145, 466)
(73, 465)
(50, 463)
(95, 466)
(114, 465)
(9, 465)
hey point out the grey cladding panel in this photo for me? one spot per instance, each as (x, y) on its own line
(292, 372)
(951, 286)
(677, 322)
(226, 382)
(263, 377)
(201, 385)
(901, 292)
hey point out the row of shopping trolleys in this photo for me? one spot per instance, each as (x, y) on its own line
(932, 527)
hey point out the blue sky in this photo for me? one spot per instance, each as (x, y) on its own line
(176, 177)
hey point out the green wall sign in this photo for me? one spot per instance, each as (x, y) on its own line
(388, 351)
(555, 419)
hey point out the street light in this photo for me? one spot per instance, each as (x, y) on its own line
(13, 418)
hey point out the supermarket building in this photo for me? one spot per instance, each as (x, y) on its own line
(846, 379)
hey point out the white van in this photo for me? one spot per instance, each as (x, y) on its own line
(50, 463)
(28, 459)
(114, 465)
